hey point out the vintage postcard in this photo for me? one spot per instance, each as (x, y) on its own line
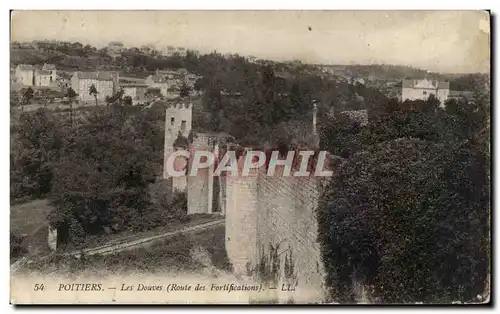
(250, 157)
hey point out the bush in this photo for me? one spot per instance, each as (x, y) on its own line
(164, 211)
(408, 219)
(17, 248)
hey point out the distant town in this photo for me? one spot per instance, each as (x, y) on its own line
(111, 69)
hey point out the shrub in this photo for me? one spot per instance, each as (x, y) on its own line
(409, 219)
(16, 245)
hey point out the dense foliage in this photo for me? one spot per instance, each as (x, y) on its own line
(97, 171)
(16, 245)
(407, 216)
(251, 101)
(36, 143)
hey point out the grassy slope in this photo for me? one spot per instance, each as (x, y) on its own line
(30, 220)
(26, 218)
(175, 254)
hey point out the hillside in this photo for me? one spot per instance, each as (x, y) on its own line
(390, 72)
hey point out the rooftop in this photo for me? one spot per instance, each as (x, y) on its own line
(42, 72)
(100, 76)
(158, 78)
(133, 85)
(26, 67)
(426, 83)
(49, 67)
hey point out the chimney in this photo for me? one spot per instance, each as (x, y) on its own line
(315, 111)
(315, 143)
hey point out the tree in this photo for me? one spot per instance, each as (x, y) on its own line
(116, 98)
(341, 136)
(200, 84)
(93, 91)
(407, 215)
(127, 101)
(185, 90)
(409, 219)
(96, 188)
(38, 139)
(416, 119)
(16, 245)
(71, 94)
(26, 96)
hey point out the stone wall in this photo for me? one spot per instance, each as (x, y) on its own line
(200, 187)
(287, 228)
(241, 221)
(271, 233)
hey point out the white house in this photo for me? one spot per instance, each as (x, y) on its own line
(137, 92)
(52, 69)
(104, 82)
(43, 78)
(158, 81)
(422, 89)
(25, 74)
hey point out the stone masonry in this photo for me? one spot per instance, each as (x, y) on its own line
(265, 213)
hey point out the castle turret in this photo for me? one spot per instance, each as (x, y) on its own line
(178, 120)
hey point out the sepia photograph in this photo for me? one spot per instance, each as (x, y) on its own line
(250, 157)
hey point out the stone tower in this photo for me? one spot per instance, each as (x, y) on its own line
(206, 191)
(178, 120)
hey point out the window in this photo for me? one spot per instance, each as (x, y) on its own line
(172, 120)
(424, 92)
(183, 125)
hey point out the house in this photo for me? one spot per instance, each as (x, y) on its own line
(158, 81)
(136, 91)
(171, 51)
(422, 89)
(115, 49)
(394, 92)
(105, 83)
(52, 69)
(76, 46)
(176, 78)
(43, 78)
(147, 49)
(25, 74)
(181, 51)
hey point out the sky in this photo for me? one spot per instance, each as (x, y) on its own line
(438, 41)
